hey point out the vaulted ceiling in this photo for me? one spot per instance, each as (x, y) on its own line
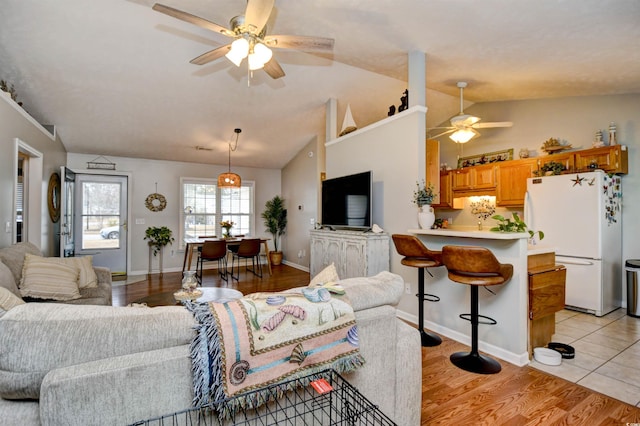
(115, 78)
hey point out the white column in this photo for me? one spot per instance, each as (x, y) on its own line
(331, 119)
(417, 78)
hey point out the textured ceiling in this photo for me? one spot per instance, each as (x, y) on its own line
(114, 76)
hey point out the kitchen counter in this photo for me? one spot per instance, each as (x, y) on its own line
(508, 339)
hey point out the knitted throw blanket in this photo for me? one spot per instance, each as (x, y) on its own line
(267, 338)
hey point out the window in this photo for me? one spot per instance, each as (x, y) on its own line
(204, 206)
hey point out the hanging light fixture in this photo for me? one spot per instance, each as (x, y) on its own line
(228, 179)
(463, 135)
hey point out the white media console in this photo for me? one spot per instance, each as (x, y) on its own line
(354, 253)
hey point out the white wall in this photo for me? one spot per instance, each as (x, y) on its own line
(300, 183)
(167, 174)
(394, 150)
(14, 123)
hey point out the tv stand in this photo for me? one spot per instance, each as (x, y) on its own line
(354, 253)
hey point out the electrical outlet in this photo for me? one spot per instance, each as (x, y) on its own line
(407, 288)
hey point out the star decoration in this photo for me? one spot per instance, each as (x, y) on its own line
(577, 181)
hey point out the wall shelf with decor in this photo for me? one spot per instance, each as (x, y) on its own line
(49, 130)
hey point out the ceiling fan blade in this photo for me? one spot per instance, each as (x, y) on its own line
(443, 133)
(305, 43)
(192, 19)
(274, 69)
(211, 55)
(257, 14)
(488, 125)
(464, 120)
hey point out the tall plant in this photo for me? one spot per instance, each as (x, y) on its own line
(275, 218)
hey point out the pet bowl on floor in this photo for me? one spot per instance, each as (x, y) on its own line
(547, 356)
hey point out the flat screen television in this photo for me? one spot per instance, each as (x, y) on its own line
(346, 202)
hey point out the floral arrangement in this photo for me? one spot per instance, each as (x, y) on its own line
(227, 225)
(483, 208)
(423, 195)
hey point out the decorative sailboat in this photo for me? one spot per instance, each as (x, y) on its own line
(348, 125)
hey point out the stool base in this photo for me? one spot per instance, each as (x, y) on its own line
(429, 339)
(475, 363)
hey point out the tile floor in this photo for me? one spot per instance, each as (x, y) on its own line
(607, 356)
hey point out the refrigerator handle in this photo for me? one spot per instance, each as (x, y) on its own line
(575, 262)
(527, 217)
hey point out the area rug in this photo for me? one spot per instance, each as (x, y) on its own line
(268, 338)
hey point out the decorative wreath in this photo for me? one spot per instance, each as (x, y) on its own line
(156, 202)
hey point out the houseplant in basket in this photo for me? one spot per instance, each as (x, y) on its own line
(423, 197)
(275, 220)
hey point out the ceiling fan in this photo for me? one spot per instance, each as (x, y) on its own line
(463, 126)
(249, 36)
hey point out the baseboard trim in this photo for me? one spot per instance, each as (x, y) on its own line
(295, 265)
(519, 360)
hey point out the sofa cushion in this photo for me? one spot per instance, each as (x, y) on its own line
(13, 257)
(7, 280)
(72, 334)
(368, 292)
(48, 278)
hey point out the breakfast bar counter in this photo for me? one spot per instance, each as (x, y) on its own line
(507, 303)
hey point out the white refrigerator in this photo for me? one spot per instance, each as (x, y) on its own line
(581, 217)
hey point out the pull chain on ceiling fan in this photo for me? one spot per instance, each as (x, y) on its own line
(250, 38)
(463, 126)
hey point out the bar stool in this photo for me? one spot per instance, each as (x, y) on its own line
(418, 256)
(476, 267)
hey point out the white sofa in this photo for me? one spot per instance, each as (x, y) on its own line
(94, 365)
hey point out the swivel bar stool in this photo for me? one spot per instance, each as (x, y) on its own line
(476, 267)
(418, 256)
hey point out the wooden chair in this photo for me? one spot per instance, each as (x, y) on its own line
(210, 251)
(417, 255)
(248, 249)
(476, 267)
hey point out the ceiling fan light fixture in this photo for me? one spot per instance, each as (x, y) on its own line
(239, 50)
(463, 135)
(259, 56)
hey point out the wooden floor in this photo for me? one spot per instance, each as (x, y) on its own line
(450, 396)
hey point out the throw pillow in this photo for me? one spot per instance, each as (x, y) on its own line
(326, 275)
(7, 280)
(8, 300)
(88, 277)
(13, 257)
(48, 278)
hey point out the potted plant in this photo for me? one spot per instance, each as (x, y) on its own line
(515, 225)
(423, 196)
(226, 225)
(550, 168)
(158, 237)
(275, 220)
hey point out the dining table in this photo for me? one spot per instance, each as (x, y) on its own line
(192, 244)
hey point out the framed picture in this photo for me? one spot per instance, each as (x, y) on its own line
(489, 157)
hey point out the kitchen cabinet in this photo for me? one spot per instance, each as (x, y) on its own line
(354, 253)
(512, 182)
(611, 159)
(476, 180)
(566, 159)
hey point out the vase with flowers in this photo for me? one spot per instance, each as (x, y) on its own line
(423, 197)
(226, 228)
(482, 209)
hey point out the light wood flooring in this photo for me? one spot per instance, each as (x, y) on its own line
(450, 396)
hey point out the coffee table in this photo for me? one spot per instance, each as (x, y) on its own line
(209, 294)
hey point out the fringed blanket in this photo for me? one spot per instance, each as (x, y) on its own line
(267, 338)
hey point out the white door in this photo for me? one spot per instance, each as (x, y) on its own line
(100, 220)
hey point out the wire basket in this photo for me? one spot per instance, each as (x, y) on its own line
(304, 406)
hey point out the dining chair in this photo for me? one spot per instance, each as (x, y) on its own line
(210, 251)
(248, 249)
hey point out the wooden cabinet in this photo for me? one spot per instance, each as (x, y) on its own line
(566, 159)
(512, 182)
(611, 159)
(354, 253)
(444, 199)
(476, 180)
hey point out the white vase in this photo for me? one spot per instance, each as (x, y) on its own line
(426, 217)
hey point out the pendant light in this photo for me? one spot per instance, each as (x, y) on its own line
(228, 179)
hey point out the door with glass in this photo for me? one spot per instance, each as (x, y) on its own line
(100, 220)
